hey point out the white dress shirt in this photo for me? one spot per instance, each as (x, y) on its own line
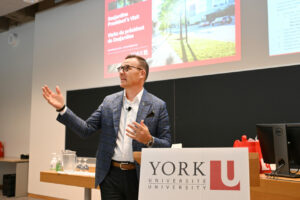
(123, 149)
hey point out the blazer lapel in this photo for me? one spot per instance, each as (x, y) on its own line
(118, 103)
(144, 107)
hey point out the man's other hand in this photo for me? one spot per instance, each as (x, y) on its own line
(54, 99)
(139, 132)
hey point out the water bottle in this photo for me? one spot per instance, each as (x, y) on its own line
(58, 165)
(53, 162)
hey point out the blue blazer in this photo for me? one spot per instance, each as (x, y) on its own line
(107, 118)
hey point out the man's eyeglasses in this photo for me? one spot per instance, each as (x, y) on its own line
(126, 68)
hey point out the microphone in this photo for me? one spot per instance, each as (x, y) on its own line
(129, 108)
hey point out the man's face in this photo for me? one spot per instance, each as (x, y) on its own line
(134, 76)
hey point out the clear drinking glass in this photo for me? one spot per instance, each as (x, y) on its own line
(69, 160)
(85, 165)
(79, 164)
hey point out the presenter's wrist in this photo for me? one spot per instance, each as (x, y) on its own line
(150, 142)
(61, 109)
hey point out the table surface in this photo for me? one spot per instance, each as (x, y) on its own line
(269, 178)
(13, 160)
(278, 188)
(67, 179)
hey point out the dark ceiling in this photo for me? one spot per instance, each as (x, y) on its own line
(16, 12)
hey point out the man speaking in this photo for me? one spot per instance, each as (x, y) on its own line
(129, 121)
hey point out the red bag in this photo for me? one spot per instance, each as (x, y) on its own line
(1, 150)
(254, 146)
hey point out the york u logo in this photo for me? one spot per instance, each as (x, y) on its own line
(222, 176)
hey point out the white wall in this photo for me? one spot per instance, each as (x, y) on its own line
(67, 51)
(15, 87)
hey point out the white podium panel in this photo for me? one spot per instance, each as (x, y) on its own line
(194, 174)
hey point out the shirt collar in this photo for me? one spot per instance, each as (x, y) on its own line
(137, 98)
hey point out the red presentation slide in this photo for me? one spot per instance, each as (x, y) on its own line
(171, 34)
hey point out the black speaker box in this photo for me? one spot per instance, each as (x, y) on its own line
(9, 185)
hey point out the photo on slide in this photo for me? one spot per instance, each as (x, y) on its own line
(171, 34)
